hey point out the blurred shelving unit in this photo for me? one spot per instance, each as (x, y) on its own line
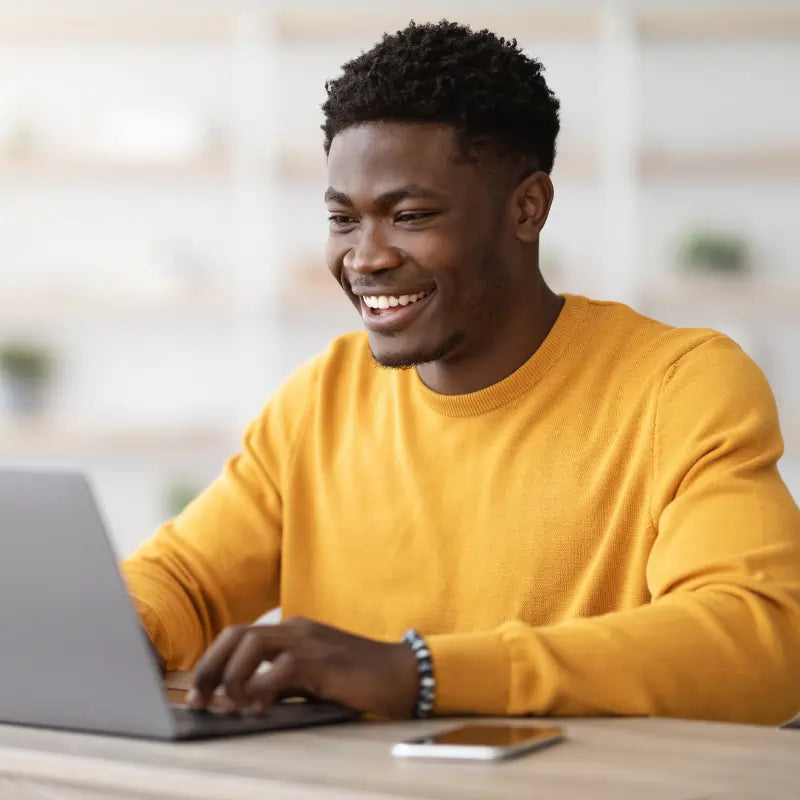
(59, 440)
(298, 164)
(258, 184)
(781, 161)
(353, 21)
(768, 21)
(743, 297)
(620, 30)
(85, 24)
(43, 167)
(42, 309)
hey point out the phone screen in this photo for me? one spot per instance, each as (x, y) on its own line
(491, 736)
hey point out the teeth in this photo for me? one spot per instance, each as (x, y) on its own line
(382, 301)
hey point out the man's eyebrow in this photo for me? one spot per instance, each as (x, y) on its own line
(332, 196)
(386, 199)
(410, 191)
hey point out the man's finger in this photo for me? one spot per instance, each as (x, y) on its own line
(210, 668)
(281, 678)
(252, 649)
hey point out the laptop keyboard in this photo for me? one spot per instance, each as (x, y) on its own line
(282, 716)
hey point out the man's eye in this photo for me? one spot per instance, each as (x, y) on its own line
(414, 216)
(340, 220)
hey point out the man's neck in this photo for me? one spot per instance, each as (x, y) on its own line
(522, 335)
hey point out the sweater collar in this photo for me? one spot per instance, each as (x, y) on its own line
(519, 381)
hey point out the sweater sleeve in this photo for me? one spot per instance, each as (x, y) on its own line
(720, 638)
(218, 562)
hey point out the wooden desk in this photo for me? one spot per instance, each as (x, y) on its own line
(641, 759)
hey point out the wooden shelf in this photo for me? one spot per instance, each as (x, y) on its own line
(41, 308)
(33, 439)
(213, 165)
(746, 298)
(776, 161)
(323, 22)
(51, 311)
(80, 26)
(307, 163)
(313, 298)
(725, 25)
(305, 23)
(330, 23)
(301, 163)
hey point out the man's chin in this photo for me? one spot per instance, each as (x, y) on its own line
(397, 360)
(405, 358)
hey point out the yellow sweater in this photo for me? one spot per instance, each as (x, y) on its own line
(604, 531)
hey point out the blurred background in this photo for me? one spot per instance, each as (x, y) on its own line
(162, 223)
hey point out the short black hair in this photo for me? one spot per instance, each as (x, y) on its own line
(478, 82)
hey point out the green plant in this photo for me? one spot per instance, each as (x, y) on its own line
(715, 251)
(25, 361)
(178, 495)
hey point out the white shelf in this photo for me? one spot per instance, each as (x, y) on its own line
(307, 22)
(307, 163)
(25, 439)
(43, 308)
(727, 24)
(781, 160)
(325, 23)
(337, 22)
(42, 166)
(745, 298)
(81, 26)
(314, 299)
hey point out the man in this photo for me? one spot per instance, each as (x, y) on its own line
(576, 508)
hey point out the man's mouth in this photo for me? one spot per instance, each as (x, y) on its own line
(382, 312)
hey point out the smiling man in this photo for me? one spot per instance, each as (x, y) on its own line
(498, 500)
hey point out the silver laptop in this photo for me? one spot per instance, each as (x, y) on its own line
(72, 652)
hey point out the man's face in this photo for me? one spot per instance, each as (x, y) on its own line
(416, 239)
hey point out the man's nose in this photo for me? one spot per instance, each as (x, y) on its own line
(371, 253)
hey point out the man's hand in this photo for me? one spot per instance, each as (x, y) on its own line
(307, 658)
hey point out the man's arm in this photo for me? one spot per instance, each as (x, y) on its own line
(217, 563)
(721, 637)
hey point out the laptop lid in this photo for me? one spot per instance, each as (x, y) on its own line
(72, 652)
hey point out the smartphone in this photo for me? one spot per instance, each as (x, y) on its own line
(479, 742)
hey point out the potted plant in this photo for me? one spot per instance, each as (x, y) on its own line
(178, 494)
(715, 252)
(25, 369)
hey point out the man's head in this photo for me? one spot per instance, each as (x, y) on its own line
(439, 143)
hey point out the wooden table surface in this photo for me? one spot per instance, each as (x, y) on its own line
(645, 759)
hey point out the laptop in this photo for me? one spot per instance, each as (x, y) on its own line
(72, 652)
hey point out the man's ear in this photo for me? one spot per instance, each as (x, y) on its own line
(532, 201)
